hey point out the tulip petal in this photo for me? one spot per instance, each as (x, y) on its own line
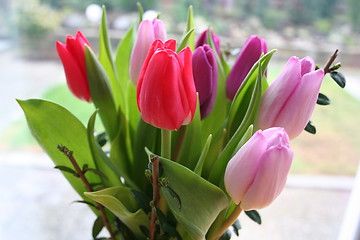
(307, 65)
(185, 57)
(249, 54)
(161, 106)
(159, 29)
(278, 93)
(143, 42)
(270, 178)
(241, 169)
(75, 77)
(203, 74)
(304, 100)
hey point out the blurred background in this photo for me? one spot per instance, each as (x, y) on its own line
(36, 202)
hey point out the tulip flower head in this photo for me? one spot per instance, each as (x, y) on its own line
(203, 39)
(72, 56)
(257, 173)
(248, 56)
(166, 93)
(148, 31)
(205, 77)
(291, 98)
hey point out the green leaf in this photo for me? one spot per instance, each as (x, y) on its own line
(194, 193)
(102, 161)
(190, 25)
(244, 94)
(101, 139)
(338, 78)
(204, 153)
(236, 225)
(68, 170)
(119, 200)
(189, 141)
(254, 215)
(323, 99)
(85, 202)
(226, 235)
(122, 63)
(310, 128)
(185, 41)
(146, 136)
(216, 146)
(106, 60)
(101, 94)
(140, 11)
(52, 125)
(97, 227)
(244, 130)
(122, 58)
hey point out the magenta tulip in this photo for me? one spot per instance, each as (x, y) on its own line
(248, 56)
(291, 98)
(205, 77)
(148, 31)
(257, 173)
(166, 93)
(72, 56)
(202, 39)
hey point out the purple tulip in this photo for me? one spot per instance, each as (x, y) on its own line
(205, 73)
(249, 55)
(257, 173)
(147, 33)
(291, 98)
(202, 39)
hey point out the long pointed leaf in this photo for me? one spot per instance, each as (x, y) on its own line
(101, 94)
(105, 58)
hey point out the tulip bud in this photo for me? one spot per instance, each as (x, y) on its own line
(166, 93)
(291, 98)
(148, 31)
(72, 56)
(205, 77)
(257, 173)
(248, 56)
(202, 39)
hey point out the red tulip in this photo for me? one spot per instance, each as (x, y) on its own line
(166, 94)
(72, 56)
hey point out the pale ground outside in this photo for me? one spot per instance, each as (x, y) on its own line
(35, 202)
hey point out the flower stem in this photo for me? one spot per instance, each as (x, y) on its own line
(81, 175)
(226, 224)
(165, 143)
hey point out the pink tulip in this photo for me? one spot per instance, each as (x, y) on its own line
(248, 56)
(257, 173)
(291, 98)
(148, 31)
(72, 56)
(166, 93)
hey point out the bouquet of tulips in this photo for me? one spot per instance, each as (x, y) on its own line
(187, 142)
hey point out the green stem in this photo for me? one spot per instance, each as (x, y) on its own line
(165, 143)
(216, 233)
(165, 153)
